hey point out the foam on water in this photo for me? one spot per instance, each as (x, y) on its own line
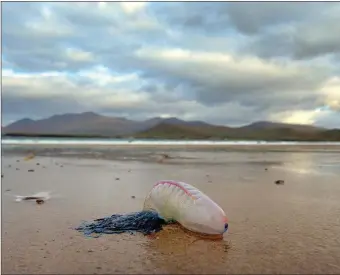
(75, 141)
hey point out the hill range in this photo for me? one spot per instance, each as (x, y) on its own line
(90, 124)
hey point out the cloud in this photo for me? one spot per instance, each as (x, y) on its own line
(314, 36)
(226, 63)
(109, 94)
(331, 92)
(221, 77)
(133, 7)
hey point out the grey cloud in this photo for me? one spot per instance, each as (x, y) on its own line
(12, 106)
(84, 14)
(246, 17)
(215, 85)
(295, 29)
(193, 16)
(85, 28)
(298, 32)
(313, 37)
(297, 44)
(253, 17)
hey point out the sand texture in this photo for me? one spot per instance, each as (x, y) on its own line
(286, 229)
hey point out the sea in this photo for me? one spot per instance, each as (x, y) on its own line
(108, 141)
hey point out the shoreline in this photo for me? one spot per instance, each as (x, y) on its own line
(53, 148)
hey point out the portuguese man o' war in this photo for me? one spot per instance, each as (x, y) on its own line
(167, 202)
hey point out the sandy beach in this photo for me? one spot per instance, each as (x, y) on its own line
(282, 229)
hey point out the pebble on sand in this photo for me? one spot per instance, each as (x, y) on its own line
(39, 201)
(279, 182)
(163, 157)
(117, 179)
(31, 170)
(133, 197)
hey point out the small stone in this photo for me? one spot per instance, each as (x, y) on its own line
(117, 178)
(18, 160)
(17, 169)
(98, 267)
(226, 247)
(133, 197)
(7, 190)
(61, 166)
(9, 166)
(2, 175)
(279, 182)
(31, 170)
(266, 169)
(38, 163)
(90, 250)
(39, 201)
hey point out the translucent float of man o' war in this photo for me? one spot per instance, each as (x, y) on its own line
(168, 202)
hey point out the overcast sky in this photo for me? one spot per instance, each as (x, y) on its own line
(225, 63)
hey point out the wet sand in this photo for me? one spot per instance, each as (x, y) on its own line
(287, 229)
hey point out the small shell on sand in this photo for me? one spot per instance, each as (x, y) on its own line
(29, 156)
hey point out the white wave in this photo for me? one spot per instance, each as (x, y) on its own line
(48, 141)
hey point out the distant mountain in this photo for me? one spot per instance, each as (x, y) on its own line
(92, 124)
(280, 132)
(262, 125)
(165, 130)
(88, 124)
(175, 121)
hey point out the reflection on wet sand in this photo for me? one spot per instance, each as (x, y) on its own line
(185, 252)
